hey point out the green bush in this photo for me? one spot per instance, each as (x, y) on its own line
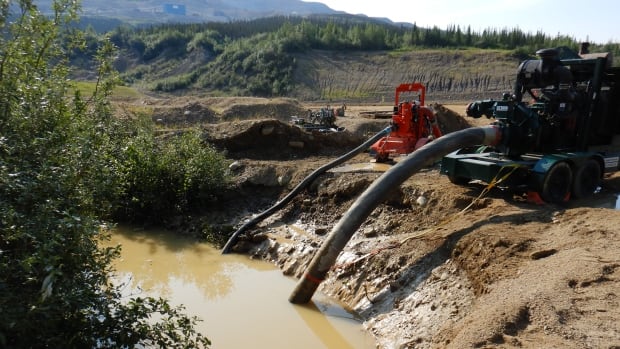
(60, 170)
(170, 176)
(174, 83)
(257, 66)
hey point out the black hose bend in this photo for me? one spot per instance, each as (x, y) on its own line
(376, 193)
(311, 177)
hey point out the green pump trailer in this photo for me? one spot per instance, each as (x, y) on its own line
(558, 131)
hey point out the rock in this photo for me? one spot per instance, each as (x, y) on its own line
(235, 166)
(421, 201)
(284, 179)
(320, 231)
(370, 232)
(266, 130)
(265, 176)
(543, 253)
(296, 144)
(260, 237)
(242, 247)
(289, 268)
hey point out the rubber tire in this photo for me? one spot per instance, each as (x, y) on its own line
(587, 179)
(556, 186)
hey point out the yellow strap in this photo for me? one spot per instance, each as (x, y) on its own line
(495, 181)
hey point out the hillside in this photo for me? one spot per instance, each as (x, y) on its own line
(449, 75)
(321, 57)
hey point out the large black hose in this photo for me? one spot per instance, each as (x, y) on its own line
(376, 193)
(278, 205)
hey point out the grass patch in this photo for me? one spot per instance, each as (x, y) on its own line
(87, 88)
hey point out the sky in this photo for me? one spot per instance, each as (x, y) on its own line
(597, 21)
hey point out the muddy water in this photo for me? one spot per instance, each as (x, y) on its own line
(369, 166)
(243, 302)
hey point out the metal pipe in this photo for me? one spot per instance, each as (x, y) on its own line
(278, 205)
(376, 193)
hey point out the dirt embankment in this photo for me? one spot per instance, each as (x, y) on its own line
(432, 267)
(449, 75)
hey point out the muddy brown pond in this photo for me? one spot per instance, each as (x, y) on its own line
(243, 302)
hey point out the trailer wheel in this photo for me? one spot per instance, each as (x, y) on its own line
(556, 186)
(587, 179)
(458, 180)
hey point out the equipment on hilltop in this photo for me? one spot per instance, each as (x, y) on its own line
(324, 116)
(413, 125)
(561, 142)
(323, 120)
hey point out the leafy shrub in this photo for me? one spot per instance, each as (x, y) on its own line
(256, 66)
(59, 171)
(174, 83)
(170, 176)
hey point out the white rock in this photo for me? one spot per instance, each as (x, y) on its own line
(234, 166)
(422, 200)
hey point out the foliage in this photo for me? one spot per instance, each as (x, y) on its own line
(174, 83)
(257, 57)
(169, 176)
(259, 66)
(60, 170)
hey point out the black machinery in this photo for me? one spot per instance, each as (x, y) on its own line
(559, 130)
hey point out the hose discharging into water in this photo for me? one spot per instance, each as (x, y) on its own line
(307, 181)
(375, 194)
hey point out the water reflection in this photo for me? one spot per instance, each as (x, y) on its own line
(157, 262)
(323, 330)
(243, 302)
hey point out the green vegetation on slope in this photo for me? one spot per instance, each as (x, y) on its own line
(259, 57)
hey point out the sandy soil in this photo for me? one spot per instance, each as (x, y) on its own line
(435, 266)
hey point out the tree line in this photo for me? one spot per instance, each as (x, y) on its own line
(257, 57)
(343, 32)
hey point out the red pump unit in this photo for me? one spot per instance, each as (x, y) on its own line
(413, 125)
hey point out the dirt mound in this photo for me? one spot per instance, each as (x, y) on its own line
(276, 140)
(185, 111)
(192, 113)
(246, 131)
(280, 110)
(449, 120)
